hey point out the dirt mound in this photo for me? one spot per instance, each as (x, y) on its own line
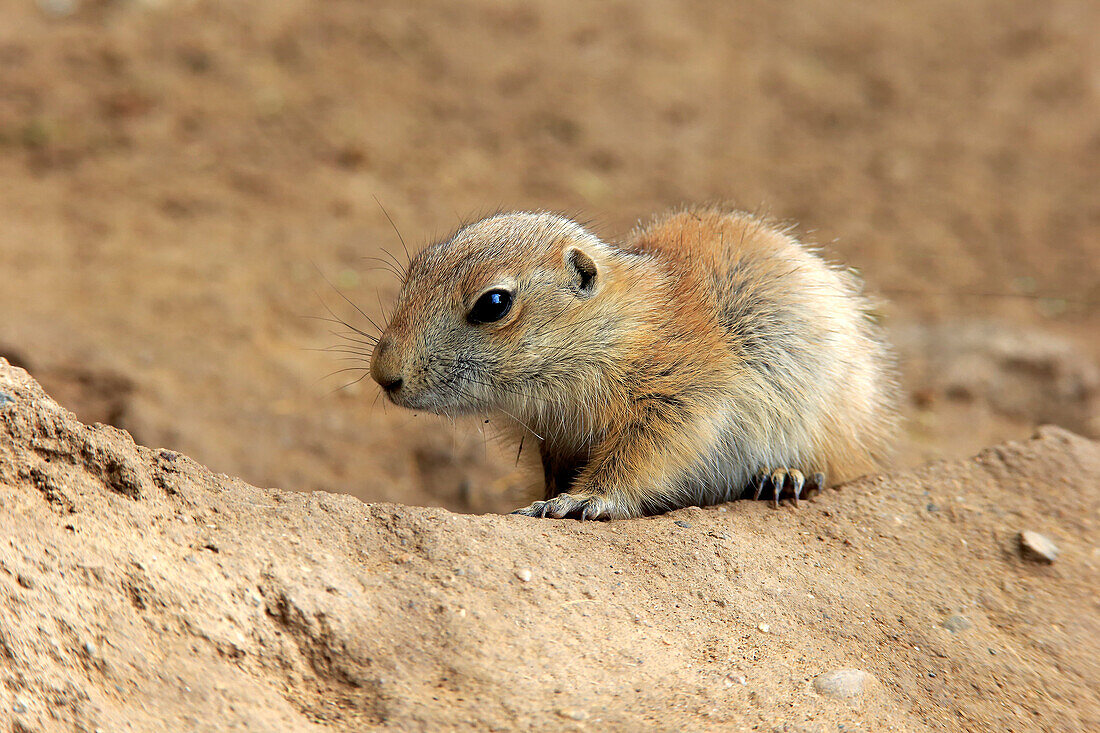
(171, 170)
(140, 591)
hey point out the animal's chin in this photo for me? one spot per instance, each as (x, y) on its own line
(435, 404)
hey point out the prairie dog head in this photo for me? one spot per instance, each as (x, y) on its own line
(496, 317)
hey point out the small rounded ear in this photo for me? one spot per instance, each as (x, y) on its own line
(583, 270)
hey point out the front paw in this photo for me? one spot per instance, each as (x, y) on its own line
(778, 479)
(574, 506)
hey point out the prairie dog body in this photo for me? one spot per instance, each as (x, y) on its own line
(706, 355)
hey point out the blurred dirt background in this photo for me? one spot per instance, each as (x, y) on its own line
(179, 178)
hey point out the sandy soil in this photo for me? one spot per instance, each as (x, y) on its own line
(175, 178)
(139, 591)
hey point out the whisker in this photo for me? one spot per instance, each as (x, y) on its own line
(350, 384)
(350, 346)
(340, 348)
(395, 229)
(386, 265)
(396, 262)
(344, 323)
(351, 339)
(381, 307)
(371, 337)
(349, 302)
(345, 369)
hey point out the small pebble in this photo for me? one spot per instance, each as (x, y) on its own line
(843, 682)
(573, 714)
(1035, 546)
(932, 507)
(957, 623)
(764, 627)
(682, 523)
(523, 574)
(19, 707)
(6, 399)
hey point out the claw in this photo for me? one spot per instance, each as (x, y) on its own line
(761, 481)
(529, 511)
(797, 482)
(585, 507)
(779, 478)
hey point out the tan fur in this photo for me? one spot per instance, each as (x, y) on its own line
(711, 351)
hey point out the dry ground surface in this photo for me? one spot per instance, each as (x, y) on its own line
(176, 176)
(140, 591)
(183, 181)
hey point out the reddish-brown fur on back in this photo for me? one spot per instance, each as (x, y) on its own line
(674, 368)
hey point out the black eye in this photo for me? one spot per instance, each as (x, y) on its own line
(491, 306)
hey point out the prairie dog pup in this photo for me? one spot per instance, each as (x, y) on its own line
(706, 356)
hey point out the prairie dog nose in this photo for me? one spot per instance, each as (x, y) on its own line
(385, 365)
